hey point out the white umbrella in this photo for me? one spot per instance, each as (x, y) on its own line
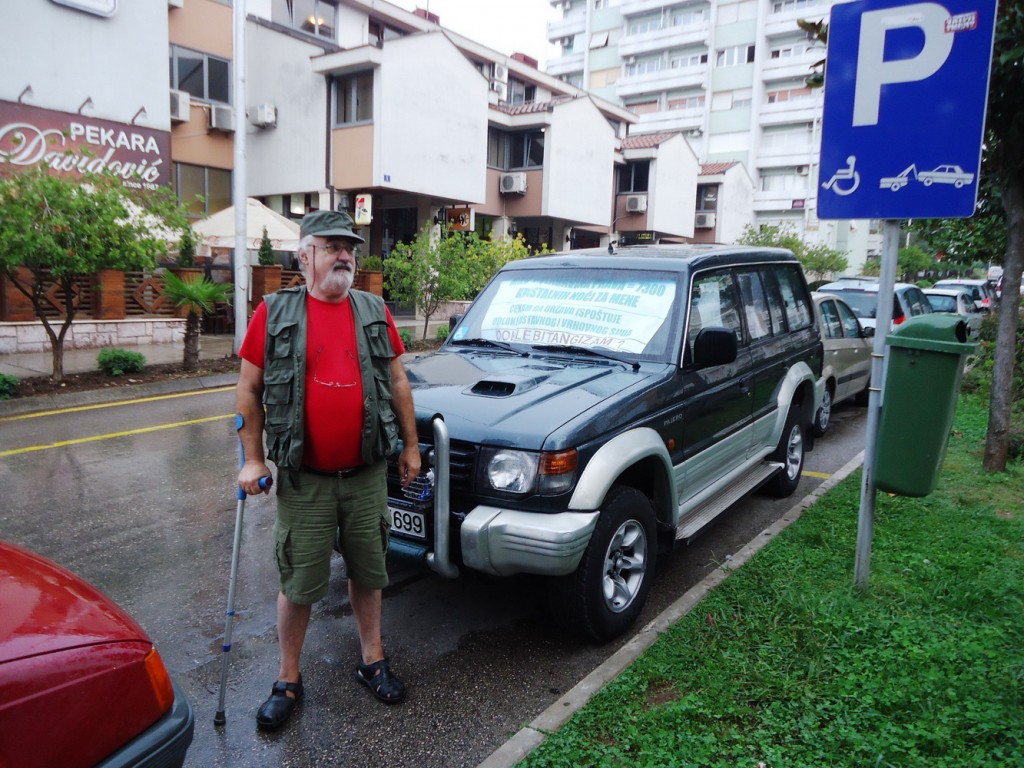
(218, 231)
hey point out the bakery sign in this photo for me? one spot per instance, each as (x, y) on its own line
(72, 145)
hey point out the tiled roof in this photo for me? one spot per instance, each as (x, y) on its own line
(645, 140)
(713, 169)
(532, 107)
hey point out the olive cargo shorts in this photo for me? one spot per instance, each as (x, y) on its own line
(308, 514)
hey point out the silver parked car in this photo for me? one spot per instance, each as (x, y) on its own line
(846, 371)
(861, 293)
(957, 302)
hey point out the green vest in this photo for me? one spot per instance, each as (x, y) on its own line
(284, 376)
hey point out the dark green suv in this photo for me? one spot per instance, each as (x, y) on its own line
(592, 409)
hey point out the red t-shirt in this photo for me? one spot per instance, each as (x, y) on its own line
(334, 390)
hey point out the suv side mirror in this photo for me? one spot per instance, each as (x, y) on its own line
(714, 346)
(867, 331)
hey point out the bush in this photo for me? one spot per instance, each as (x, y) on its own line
(406, 335)
(266, 252)
(117, 362)
(442, 332)
(8, 386)
(372, 263)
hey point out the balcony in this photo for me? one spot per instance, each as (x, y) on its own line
(637, 7)
(673, 38)
(571, 25)
(791, 67)
(565, 65)
(797, 111)
(777, 24)
(665, 79)
(672, 120)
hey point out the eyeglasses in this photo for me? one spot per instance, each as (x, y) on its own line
(335, 248)
(349, 362)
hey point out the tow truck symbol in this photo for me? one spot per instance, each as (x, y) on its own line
(943, 174)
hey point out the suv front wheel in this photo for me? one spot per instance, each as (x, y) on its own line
(606, 593)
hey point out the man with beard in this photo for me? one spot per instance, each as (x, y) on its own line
(321, 375)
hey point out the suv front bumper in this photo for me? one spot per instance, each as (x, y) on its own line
(503, 542)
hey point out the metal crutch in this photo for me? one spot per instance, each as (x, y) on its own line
(229, 614)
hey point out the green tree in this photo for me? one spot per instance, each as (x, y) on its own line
(199, 295)
(435, 269)
(266, 253)
(819, 261)
(1004, 122)
(911, 260)
(60, 229)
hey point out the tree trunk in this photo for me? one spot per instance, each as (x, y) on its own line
(998, 439)
(191, 359)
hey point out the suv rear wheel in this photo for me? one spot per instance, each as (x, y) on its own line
(790, 452)
(606, 593)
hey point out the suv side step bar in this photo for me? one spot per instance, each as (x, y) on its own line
(708, 510)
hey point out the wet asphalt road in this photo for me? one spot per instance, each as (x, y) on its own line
(139, 499)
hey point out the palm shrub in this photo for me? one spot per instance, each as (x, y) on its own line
(199, 295)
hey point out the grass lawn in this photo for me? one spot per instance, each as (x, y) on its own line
(786, 664)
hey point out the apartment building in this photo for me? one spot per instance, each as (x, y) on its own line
(343, 100)
(730, 77)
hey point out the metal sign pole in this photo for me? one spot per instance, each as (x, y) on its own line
(238, 196)
(883, 321)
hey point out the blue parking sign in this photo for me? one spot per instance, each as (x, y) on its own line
(906, 87)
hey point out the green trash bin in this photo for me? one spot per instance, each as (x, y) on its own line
(922, 383)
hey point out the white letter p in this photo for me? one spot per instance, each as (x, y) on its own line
(873, 72)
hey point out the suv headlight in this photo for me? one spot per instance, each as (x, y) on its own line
(508, 470)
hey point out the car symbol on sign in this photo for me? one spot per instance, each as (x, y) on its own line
(945, 174)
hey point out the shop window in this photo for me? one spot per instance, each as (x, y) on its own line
(201, 190)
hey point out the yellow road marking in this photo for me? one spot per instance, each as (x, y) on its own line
(822, 475)
(119, 402)
(94, 438)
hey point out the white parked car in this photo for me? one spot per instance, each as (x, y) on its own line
(980, 291)
(957, 302)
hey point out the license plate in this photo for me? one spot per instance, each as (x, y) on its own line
(408, 523)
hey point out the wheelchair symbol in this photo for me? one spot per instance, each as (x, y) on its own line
(844, 174)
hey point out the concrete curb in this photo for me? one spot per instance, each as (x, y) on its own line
(26, 405)
(554, 717)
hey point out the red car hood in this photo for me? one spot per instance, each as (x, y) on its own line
(45, 608)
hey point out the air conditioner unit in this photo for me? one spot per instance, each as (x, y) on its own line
(181, 105)
(263, 115)
(512, 183)
(636, 203)
(631, 59)
(801, 170)
(222, 119)
(499, 72)
(704, 220)
(501, 89)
